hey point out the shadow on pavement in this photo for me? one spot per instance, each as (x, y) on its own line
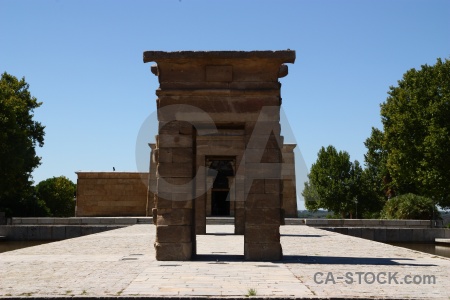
(336, 260)
(223, 258)
(219, 258)
(301, 235)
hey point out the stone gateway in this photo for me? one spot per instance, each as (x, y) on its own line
(219, 150)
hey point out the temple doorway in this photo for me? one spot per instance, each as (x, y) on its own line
(219, 198)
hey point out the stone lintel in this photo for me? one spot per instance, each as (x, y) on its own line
(235, 70)
(284, 56)
(221, 91)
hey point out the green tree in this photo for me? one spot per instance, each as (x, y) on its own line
(58, 194)
(410, 206)
(370, 200)
(376, 164)
(335, 181)
(311, 197)
(19, 135)
(412, 153)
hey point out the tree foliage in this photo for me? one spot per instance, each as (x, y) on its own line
(58, 195)
(412, 153)
(335, 181)
(19, 135)
(370, 200)
(375, 159)
(311, 197)
(410, 206)
(337, 184)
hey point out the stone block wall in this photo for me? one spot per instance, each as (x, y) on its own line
(111, 194)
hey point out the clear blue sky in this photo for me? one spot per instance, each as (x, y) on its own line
(83, 60)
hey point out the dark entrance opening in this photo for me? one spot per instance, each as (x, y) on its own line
(220, 192)
(220, 203)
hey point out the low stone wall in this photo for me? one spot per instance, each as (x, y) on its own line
(371, 223)
(394, 235)
(83, 221)
(294, 221)
(109, 194)
(346, 223)
(51, 232)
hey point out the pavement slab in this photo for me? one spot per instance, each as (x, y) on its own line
(316, 264)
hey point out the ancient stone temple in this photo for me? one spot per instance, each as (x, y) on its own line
(219, 149)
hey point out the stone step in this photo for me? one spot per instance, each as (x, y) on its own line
(442, 241)
(147, 220)
(219, 220)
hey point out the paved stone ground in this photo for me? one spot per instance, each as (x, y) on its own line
(121, 263)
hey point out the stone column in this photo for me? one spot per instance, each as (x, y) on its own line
(239, 217)
(289, 199)
(263, 202)
(174, 207)
(151, 182)
(201, 179)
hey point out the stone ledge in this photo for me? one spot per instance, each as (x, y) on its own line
(285, 55)
(51, 232)
(394, 235)
(107, 174)
(372, 223)
(442, 241)
(83, 221)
